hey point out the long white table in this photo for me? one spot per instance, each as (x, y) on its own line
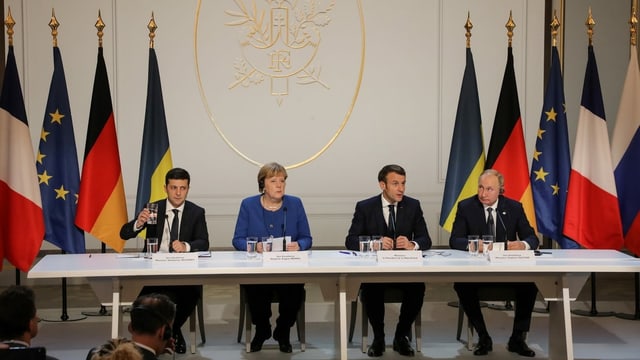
(559, 275)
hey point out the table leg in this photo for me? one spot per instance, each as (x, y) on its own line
(560, 331)
(340, 312)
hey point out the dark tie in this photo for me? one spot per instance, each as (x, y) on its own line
(490, 223)
(392, 220)
(175, 226)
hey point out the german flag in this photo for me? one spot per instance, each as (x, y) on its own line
(507, 152)
(102, 208)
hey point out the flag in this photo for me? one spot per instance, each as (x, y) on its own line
(551, 162)
(21, 219)
(57, 166)
(102, 208)
(507, 152)
(466, 157)
(625, 152)
(592, 216)
(155, 158)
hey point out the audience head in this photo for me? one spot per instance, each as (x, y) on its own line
(176, 185)
(18, 320)
(117, 349)
(268, 171)
(490, 186)
(392, 179)
(152, 320)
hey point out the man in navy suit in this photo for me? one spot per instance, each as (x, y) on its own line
(510, 225)
(375, 216)
(192, 235)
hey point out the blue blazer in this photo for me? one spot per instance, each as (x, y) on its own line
(368, 219)
(511, 223)
(193, 226)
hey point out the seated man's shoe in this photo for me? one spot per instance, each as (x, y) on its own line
(376, 349)
(283, 341)
(403, 346)
(179, 343)
(517, 345)
(485, 344)
(259, 338)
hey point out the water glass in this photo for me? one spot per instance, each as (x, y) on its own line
(365, 242)
(487, 244)
(152, 247)
(376, 243)
(267, 244)
(473, 244)
(252, 244)
(153, 213)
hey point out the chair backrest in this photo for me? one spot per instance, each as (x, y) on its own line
(27, 353)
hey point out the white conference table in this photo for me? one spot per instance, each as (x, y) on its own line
(559, 275)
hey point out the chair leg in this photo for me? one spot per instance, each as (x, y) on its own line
(418, 329)
(192, 330)
(247, 333)
(300, 325)
(352, 321)
(201, 320)
(241, 313)
(365, 328)
(460, 321)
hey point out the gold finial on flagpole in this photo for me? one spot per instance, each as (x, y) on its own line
(152, 26)
(510, 25)
(468, 26)
(590, 23)
(10, 23)
(633, 22)
(555, 24)
(53, 24)
(100, 26)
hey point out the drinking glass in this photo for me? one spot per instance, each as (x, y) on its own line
(376, 243)
(365, 242)
(252, 244)
(153, 213)
(152, 247)
(473, 244)
(267, 243)
(487, 244)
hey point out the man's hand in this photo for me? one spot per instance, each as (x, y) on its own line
(516, 245)
(403, 243)
(142, 218)
(178, 246)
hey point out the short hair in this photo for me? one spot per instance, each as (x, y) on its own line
(151, 312)
(392, 168)
(497, 174)
(117, 349)
(17, 309)
(269, 170)
(177, 174)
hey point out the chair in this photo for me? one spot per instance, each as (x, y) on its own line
(198, 311)
(245, 318)
(391, 295)
(484, 294)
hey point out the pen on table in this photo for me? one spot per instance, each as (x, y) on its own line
(348, 252)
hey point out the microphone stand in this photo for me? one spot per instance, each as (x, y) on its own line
(284, 228)
(636, 314)
(593, 311)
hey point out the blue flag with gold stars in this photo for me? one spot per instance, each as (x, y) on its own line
(57, 166)
(551, 163)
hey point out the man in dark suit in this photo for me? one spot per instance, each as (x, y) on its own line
(491, 213)
(182, 228)
(400, 222)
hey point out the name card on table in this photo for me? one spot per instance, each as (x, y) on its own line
(174, 258)
(396, 256)
(285, 257)
(512, 256)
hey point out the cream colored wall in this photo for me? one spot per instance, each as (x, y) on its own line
(404, 112)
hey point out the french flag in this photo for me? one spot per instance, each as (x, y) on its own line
(592, 216)
(625, 152)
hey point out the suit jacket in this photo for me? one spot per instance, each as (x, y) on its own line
(368, 219)
(193, 226)
(511, 223)
(146, 354)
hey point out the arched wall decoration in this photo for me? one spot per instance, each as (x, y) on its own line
(307, 74)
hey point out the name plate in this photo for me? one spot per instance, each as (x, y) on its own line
(396, 256)
(511, 256)
(285, 257)
(187, 258)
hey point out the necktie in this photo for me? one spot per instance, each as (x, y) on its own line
(491, 223)
(392, 220)
(175, 226)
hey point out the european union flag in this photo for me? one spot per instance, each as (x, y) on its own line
(551, 162)
(57, 166)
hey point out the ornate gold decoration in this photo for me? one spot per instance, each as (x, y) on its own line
(100, 26)
(510, 25)
(468, 26)
(10, 23)
(259, 19)
(633, 28)
(590, 23)
(555, 24)
(283, 46)
(152, 26)
(53, 24)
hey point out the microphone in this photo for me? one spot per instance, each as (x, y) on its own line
(166, 220)
(502, 223)
(284, 228)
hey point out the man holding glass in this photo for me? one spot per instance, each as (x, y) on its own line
(181, 227)
(492, 213)
(400, 222)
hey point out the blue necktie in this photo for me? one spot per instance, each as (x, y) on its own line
(392, 220)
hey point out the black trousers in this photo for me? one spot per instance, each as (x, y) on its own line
(259, 298)
(184, 296)
(412, 298)
(525, 298)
